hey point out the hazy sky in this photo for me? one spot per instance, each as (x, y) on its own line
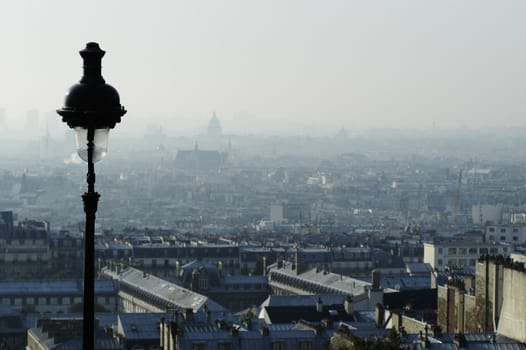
(275, 65)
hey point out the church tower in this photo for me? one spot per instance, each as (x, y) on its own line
(214, 127)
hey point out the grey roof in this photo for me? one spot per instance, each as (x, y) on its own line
(104, 318)
(336, 283)
(102, 340)
(419, 268)
(205, 332)
(437, 346)
(302, 300)
(497, 346)
(240, 279)
(170, 293)
(140, 326)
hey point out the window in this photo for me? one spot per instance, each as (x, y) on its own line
(198, 346)
(462, 251)
(483, 250)
(515, 238)
(515, 230)
(452, 251)
(502, 238)
(440, 262)
(492, 229)
(472, 250)
(502, 230)
(278, 346)
(306, 345)
(203, 282)
(439, 250)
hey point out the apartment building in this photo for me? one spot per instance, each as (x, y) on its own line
(459, 254)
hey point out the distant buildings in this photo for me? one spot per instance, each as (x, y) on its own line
(40, 296)
(24, 247)
(197, 160)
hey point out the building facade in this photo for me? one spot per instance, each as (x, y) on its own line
(458, 254)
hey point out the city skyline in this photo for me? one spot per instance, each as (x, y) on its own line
(296, 67)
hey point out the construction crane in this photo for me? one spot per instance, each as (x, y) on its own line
(457, 199)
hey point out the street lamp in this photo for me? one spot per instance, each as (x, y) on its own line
(91, 108)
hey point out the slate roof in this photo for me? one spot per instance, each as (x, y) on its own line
(168, 292)
(141, 326)
(332, 282)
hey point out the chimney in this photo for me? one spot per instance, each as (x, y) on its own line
(347, 304)
(247, 322)
(220, 268)
(375, 279)
(264, 331)
(207, 314)
(280, 262)
(194, 284)
(234, 331)
(178, 268)
(188, 313)
(319, 305)
(379, 315)
(301, 265)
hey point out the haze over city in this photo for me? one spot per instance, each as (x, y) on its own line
(280, 175)
(274, 67)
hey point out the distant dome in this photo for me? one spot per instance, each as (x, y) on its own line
(214, 126)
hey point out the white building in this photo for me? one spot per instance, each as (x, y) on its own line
(456, 254)
(482, 213)
(513, 234)
(276, 213)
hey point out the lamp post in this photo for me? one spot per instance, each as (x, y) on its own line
(92, 108)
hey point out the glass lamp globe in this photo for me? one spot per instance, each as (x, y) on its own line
(100, 143)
